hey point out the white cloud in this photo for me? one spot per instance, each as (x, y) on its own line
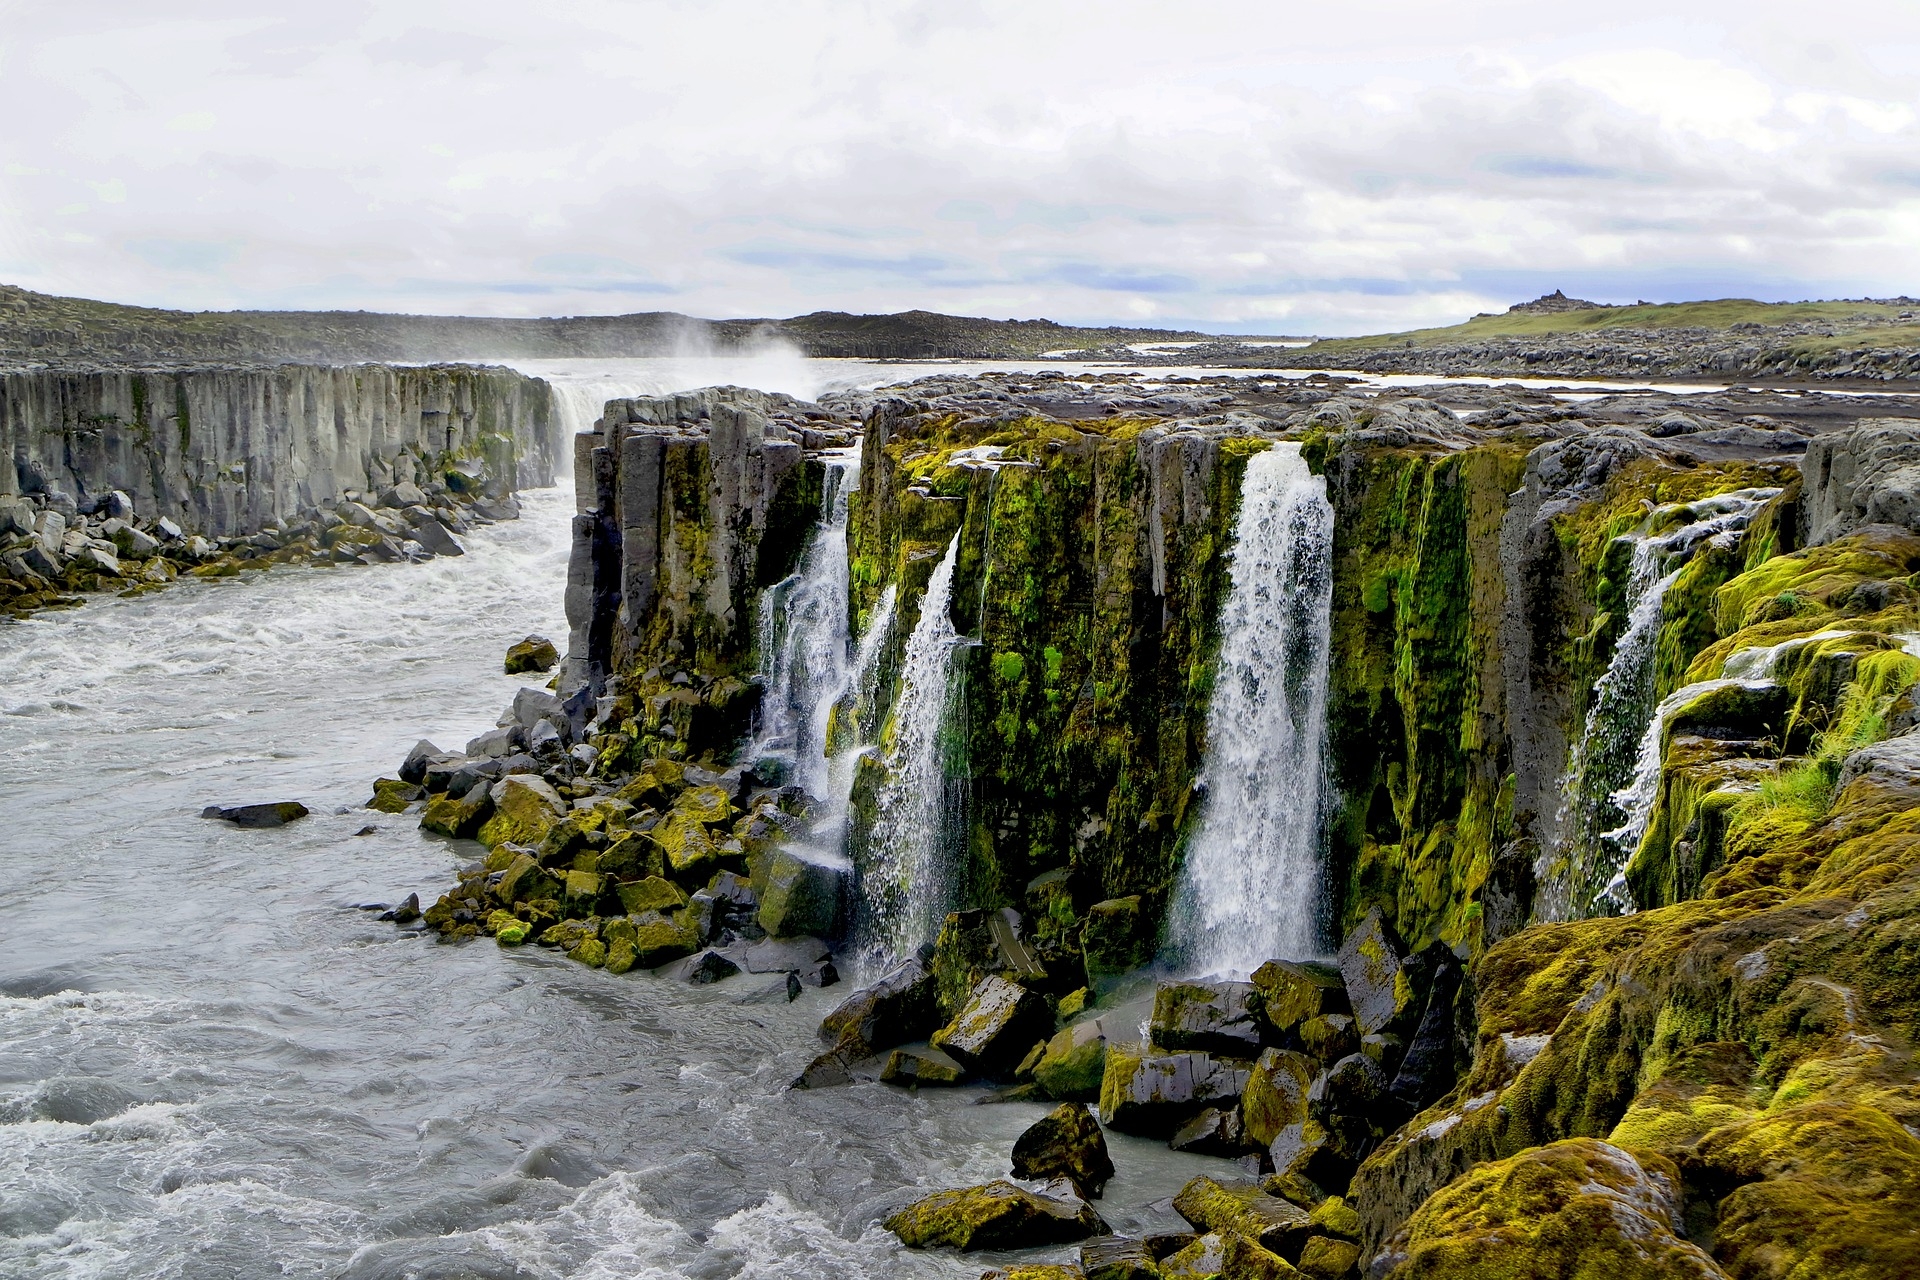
(1272, 165)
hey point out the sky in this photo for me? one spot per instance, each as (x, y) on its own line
(1261, 167)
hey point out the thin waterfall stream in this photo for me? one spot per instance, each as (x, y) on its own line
(906, 870)
(1250, 887)
(1610, 785)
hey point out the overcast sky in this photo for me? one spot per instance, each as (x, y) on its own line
(1268, 166)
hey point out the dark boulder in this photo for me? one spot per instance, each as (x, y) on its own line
(1117, 938)
(1275, 1224)
(1370, 962)
(1216, 1017)
(1000, 1023)
(414, 767)
(1065, 1143)
(1430, 1067)
(1330, 1037)
(1117, 1258)
(1288, 992)
(1216, 1131)
(1276, 1094)
(920, 1065)
(706, 967)
(894, 1010)
(258, 815)
(1152, 1093)
(535, 654)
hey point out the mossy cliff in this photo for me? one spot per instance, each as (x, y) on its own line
(229, 451)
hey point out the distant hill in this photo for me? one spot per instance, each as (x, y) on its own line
(39, 328)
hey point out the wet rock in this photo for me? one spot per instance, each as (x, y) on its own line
(1074, 1062)
(1065, 1143)
(458, 816)
(999, 1215)
(523, 879)
(1370, 963)
(406, 913)
(1035, 1271)
(1216, 1131)
(652, 893)
(1336, 1217)
(434, 537)
(804, 894)
(1217, 1017)
(1276, 1094)
(497, 743)
(998, 1025)
(1268, 1220)
(1325, 1258)
(534, 654)
(921, 1065)
(659, 938)
(894, 1010)
(414, 768)
(525, 809)
(1308, 1151)
(1117, 1258)
(1429, 1068)
(1226, 1255)
(1153, 1093)
(773, 955)
(392, 795)
(1346, 1098)
(1288, 992)
(1116, 940)
(706, 967)
(277, 814)
(1330, 1037)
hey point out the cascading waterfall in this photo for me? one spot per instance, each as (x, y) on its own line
(1604, 811)
(906, 871)
(806, 651)
(1250, 887)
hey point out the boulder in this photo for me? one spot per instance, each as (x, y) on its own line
(1370, 963)
(999, 1215)
(1325, 1258)
(97, 560)
(1216, 1131)
(534, 654)
(1217, 1017)
(1307, 1151)
(1330, 1036)
(659, 938)
(1276, 1094)
(1288, 992)
(1035, 1271)
(653, 893)
(1000, 1022)
(1346, 1097)
(1065, 1143)
(1117, 938)
(705, 967)
(1153, 1093)
(922, 1065)
(1226, 1255)
(1430, 1066)
(1272, 1222)
(525, 809)
(1074, 1063)
(458, 816)
(523, 879)
(497, 743)
(805, 892)
(896, 1009)
(433, 536)
(258, 815)
(392, 795)
(403, 495)
(1117, 1258)
(414, 768)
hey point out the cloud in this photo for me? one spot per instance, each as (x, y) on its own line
(1275, 166)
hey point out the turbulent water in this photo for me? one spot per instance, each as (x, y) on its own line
(907, 864)
(1610, 785)
(214, 1064)
(1250, 887)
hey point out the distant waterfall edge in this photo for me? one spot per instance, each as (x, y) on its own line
(1250, 884)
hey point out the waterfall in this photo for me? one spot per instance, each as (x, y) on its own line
(806, 659)
(1607, 795)
(906, 871)
(1250, 886)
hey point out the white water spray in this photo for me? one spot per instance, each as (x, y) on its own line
(907, 869)
(806, 658)
(1250, 888)
(1608, 794)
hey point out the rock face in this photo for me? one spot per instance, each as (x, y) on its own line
(229, 451)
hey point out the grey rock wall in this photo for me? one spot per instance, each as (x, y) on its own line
(226, 451)
(1869, 474)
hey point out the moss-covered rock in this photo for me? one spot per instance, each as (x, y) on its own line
(461, 817)
(1226, 1255)
(1065, 1143)
(525, 809)
(1276, 1094)
(391, 795)
(999, 1215)
(1270, 1221)
(804, 894)
(1074, 1063)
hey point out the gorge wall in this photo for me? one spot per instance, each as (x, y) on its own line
(225, 451)
(1717, 1082)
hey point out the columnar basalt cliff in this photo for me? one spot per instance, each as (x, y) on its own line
(1621, 725)
(223, 451)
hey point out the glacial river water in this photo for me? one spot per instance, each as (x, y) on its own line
(214, 1063)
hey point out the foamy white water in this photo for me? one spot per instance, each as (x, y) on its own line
(1250, 885)
(908, 868)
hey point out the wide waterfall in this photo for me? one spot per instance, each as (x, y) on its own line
(1250, 888)
(806, 658)
(1604, 811)
(907, 867)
